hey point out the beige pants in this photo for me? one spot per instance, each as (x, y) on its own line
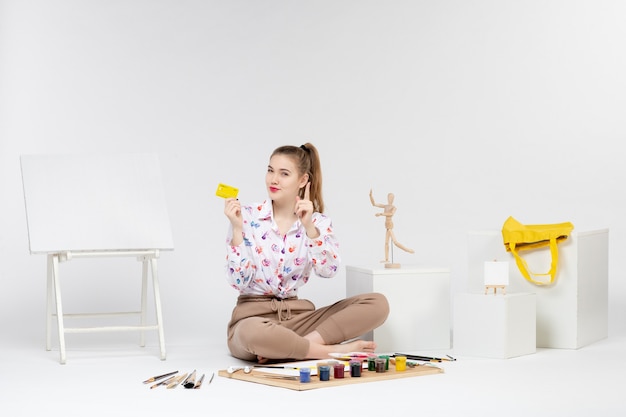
(274, 329)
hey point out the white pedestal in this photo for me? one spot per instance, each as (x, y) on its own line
(419, 299)
(494, 326)
(572, 312)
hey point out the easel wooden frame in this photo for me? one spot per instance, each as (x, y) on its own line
(54, 305)
(495, 289)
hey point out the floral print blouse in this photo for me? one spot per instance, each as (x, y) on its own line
(267, 263)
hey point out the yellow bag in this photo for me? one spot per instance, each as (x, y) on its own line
(518, 237)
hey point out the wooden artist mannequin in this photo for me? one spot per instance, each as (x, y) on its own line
(388, 211)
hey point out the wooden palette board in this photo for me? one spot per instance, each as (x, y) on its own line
(281, 381)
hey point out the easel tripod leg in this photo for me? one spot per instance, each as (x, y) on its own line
(59, 307)
(144, 290)
(157, 305)
(49, 302)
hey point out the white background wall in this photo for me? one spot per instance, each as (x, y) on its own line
(469, 111)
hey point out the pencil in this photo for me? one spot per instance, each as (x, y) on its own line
(199, 383)
(176, 381)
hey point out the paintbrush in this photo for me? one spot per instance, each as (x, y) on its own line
(156, 378)
(190, 381)
(164, 382)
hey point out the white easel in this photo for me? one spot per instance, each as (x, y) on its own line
(96, 206)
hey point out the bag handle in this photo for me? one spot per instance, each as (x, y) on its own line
(523, 266)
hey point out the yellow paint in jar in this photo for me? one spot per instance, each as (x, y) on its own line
(400, 363)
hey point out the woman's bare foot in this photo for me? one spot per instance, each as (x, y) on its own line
(356, 346)
(319, 350)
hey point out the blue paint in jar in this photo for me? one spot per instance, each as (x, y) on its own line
(305, 375)
(324, 373)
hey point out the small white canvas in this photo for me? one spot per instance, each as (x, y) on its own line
(496, 273)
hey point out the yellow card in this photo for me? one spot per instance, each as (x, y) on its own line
(226, 191)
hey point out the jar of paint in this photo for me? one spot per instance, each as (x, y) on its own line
(400, 363)
(320, 364)
(371, 363)
(355, 368)
(386, 358)
(305, 375)
(324, 372)
(380, 365)
(338, 370)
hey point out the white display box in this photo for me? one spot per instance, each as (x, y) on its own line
(494, 326)
(572, 312)
(419, 303)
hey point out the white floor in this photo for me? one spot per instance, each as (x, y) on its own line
(102, 379)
